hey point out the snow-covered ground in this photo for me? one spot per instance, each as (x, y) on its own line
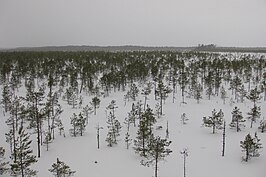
(204, 148)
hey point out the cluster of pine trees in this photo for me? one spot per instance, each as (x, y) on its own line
(50, 76)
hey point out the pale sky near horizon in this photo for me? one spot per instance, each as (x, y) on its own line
(31, 23)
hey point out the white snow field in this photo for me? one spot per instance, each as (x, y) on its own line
(204, 148)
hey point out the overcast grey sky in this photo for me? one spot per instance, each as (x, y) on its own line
(132, 22)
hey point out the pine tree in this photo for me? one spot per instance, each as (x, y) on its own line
(95, 103)
(250, 146)
(235, 85)
(86, 111)
(215, 121)
(3, 164)
(37, 112)
(144, 133)
(242, 93)
(133, 92)
(127, 140)
(223, 94)
(157, 151)
(7, 97)
(184, 118)
(247, 146)
(262, 126)
(73, 122)
(60, 169)
(114, 127)
(254, 114)
(237, 119)
(24, 155)
(81, 124)
(198, 93)
(162, 91)
(146, 92)
(257, 146)
(112, 106)
(254, 95)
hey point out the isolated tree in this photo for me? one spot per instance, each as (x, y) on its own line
(157, 151)
(95, 103)
(250, 146)
(24, 155)
(3, 164)
(184, 118)
(237, 119)
(247, 146)
(60, 169)
(215, 120)
(262, 126)
(254, 114)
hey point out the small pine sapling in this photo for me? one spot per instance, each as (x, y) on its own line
(184, 118)
(237, 119)
(262, 126)
(60, 169)
(95, 103)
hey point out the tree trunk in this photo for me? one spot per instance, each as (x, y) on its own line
(247, 154)
(156, 160)
(223, 152)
